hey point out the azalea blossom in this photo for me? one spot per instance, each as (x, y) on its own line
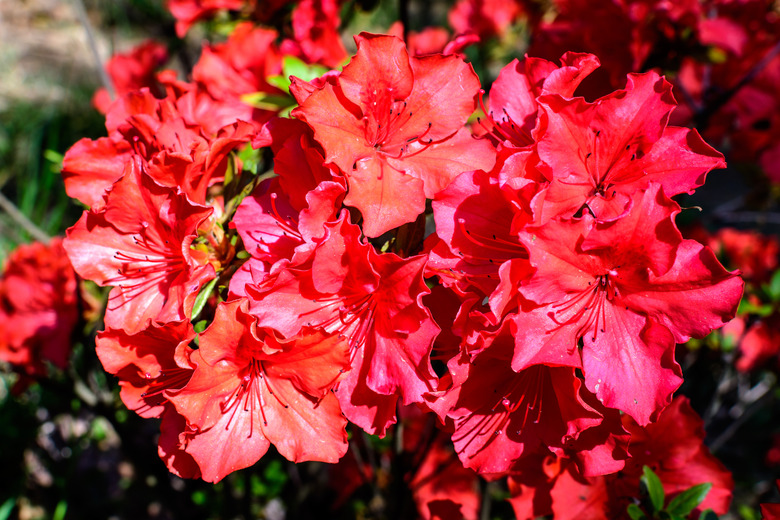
(249, 390)
(614, 298)
(38, 308)
(374, 301)
(382, 122)
(140, 243)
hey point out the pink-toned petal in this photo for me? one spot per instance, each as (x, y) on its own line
(630, 364)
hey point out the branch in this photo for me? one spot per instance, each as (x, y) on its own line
(22, 220)
(757, 217)
(755, 398)
(104, 78)
(702, 118)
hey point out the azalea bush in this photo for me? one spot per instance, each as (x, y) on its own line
(353, 266)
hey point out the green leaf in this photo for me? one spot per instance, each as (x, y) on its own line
(200, 326)
(54, 157)
(773, 288)
(250, 157)
(708, 514)
(635, 512)
(280, 82)
(265, 101)
(717, 55)
(199, 497)
(276, 477)
(745, 307)
(687, 501)
(7, 508)
(203, 295)
(654, 488)
(60, 510)
(292, 66)
(748, 513)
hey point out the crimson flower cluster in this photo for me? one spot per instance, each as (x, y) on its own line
(38, 309)
(520, 274)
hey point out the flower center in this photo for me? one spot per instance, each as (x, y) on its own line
(248, 396)
(587, 308)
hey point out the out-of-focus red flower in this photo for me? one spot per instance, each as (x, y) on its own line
(38, 307)
(760, 344)
(432, 40)
(674, 448)
(442, 488)
(771, 511)
(734, 330)
(735, 101)
(487, 19)
(754, 254)
(316, 37)
(188, 12)
(131, 71)
(628, 36)
(772, 457)
(601, 27)
(241, 65)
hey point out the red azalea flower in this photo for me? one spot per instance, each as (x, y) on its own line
(477, 220)
(601, 153)
(487, 19)
(179, 153)
(250, 390)
(625, 292)
(131, 71)
(394, 126)
(291, 209)
(442, 488)
(139, 242)
(38, 307)
(241, 65)
(276, 233)
(188, 12)
(673, 447)
(147, 363)
(501, 416)
(760, 344)
(756, 255)
(374, 300)
(771, 511)
(284, 216)
(315, 25)
(513, 96)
